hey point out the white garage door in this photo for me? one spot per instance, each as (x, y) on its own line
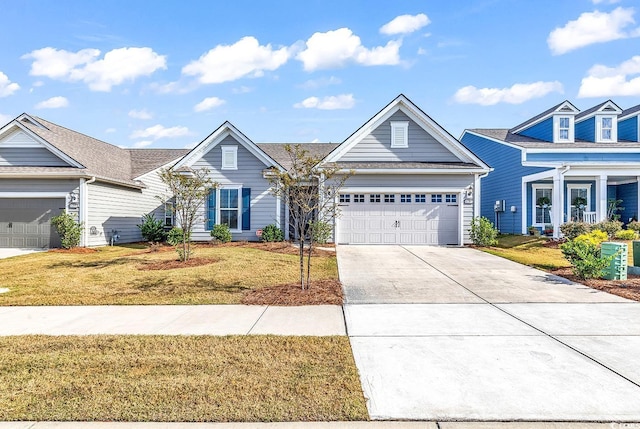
(398, 219)
(26, 222)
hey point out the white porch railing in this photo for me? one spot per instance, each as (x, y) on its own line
(589, 217)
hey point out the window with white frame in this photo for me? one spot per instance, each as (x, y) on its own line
(436, 198)
(405, 198)
(389, 198)
(358, 198)
(345, 198)
(230, 207)
(579, 201)
(450, 198)
(169, 214)
(229, 157)
(606, 131)
(421, 198)
(399, 134)
(564, 126)
(542, 197)
(374, 198)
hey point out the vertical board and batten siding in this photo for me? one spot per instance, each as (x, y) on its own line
(628, 129)
(540, 131)
(586, 130)
(376, 146)
(118, 208)
(628, 193)
(504, 183)
(249, 175)
(29, 156)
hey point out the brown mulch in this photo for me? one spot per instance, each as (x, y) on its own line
(629, 288)
(74, 250)
(173, 264)
(553, 244)
(320, 292)
(279, 247)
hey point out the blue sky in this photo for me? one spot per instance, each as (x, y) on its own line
(163, 74)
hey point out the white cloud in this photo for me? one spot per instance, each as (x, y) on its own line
(603, 81)
(516, 94)
(605, 1)
(590, 28)
(337, 48)
(5, 119)
(333, 102)
(422, 51)
(140, 114)
(208, 104)
(321, 82)
(241, 90)
(405, 24)
(6, 86)
(159, 132)
(142, 143)
(110, 130)
(226, 63)
(53, 103)
(116, 67)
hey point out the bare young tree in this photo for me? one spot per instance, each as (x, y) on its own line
(310, 192)
(189, 190)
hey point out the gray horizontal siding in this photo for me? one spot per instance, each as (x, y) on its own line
(29, 156)
(38, 185)
(112, 207)
(248, 175)
(377, 145)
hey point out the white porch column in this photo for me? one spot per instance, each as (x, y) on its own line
(557, 205)
(601, 207)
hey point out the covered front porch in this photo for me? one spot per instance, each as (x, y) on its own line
(579, 193)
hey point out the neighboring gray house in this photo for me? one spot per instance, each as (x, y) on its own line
(414, 183)
(46, 169)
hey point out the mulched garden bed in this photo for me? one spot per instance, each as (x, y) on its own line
(629, 288)
(320, 292)
(174, 263)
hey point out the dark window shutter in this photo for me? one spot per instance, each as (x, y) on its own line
(246, 209)
(211, 210)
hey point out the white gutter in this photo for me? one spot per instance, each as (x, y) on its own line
(83, 215)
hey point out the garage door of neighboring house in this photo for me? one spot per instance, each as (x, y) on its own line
(26, 222)
(398, 219)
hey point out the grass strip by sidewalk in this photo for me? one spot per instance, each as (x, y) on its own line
(179, 378)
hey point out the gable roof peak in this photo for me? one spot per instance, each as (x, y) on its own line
(604, 107)
(565, 107)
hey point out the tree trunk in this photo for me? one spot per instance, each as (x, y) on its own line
(309, 262)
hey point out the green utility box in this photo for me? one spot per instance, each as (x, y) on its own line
(636, 253)
(617, 269)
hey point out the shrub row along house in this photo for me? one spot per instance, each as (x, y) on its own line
(411, 182)
(559, 166)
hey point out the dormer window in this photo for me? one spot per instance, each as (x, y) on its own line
(563, 133)
(607, 128)
(399, 134)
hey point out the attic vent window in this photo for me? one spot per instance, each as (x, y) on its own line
(399, 134)
(229, 157)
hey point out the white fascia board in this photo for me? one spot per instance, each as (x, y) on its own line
(628, 116)
(615, 112)
(57, 152)
(585, 150)
(226, 129)
(415, 171)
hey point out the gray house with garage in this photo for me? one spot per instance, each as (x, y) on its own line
(411, 182)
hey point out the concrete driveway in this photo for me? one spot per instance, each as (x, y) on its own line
(456, 334)
(11, 252)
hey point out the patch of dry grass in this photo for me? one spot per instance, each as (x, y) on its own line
(529, 251)
(113, 275)
(168, 378)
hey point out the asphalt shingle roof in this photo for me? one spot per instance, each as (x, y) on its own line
(593, 109)
(278, 153)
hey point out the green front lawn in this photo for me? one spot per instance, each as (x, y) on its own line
(528, 250)
(126, 275)
(185, 379)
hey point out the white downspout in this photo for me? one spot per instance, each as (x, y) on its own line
(84, 208)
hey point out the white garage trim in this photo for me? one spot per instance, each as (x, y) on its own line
(33, 194)
(401, 190)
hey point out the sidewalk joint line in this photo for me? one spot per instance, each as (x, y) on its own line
(257, 320)
(523, 321)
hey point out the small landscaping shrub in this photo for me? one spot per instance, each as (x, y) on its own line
(152, 229)
(626, 234)
(221, 233)
(68, 229)
(584, 254)
(634, 226)
(321, 231)
(271, 233)
(571, 230)
(608, 226)
(177, 237)
(483, 233)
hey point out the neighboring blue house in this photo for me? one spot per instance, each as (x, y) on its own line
(567, 158)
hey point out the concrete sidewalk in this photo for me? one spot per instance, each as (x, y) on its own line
(320, 425)
(315, 320)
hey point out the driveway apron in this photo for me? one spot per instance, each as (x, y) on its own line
(457, 334)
